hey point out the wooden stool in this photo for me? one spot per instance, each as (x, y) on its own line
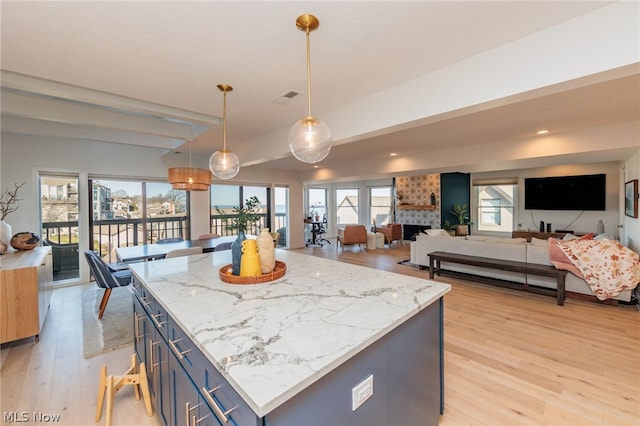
(109, 385)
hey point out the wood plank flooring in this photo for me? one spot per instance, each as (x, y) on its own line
(511, 358)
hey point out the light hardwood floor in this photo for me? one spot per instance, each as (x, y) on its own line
(511, 358)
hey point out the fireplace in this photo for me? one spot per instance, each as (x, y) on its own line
(409, 231)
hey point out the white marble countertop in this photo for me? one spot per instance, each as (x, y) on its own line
(271, 341)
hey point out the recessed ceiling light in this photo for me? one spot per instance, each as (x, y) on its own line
(542, 132)
(315, 166)
(393, 154)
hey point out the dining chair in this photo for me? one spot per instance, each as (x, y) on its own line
(105, 277)
(223, 246)
(183, 252)
(208, 236)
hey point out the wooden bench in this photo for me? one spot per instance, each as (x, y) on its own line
(505, 265)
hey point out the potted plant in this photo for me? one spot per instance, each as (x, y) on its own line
(461, 212)
(449, 227)
(246, 217)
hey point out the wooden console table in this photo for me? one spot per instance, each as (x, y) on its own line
(25, 287)
(541, 235)
(504, 265)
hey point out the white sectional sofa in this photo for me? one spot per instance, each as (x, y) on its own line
(516, 249)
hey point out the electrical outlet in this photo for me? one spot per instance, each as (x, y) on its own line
(361, 392)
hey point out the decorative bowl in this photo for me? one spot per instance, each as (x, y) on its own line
(25, 241)
(278, 272)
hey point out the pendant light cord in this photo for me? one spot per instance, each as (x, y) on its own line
(224, 121)
(307, 32)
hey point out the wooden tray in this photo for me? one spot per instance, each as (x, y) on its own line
(278, 272)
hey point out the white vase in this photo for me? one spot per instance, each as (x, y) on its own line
(600, 227)
(266, 251)
(6, 234)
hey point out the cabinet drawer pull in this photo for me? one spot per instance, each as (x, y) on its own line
(223, 416)
(195, 422)
(151, 345)
(187, 414)
(155, 320)
(174, 348)
(136, 327)
(147, 303)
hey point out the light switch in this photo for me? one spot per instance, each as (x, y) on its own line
(361, 392)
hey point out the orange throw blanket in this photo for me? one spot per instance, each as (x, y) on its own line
(607, 266)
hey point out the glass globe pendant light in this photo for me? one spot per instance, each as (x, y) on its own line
(309, 139)
(223, 163)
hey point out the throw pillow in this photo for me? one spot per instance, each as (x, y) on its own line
(538, 241)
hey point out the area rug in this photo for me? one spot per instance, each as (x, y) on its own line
(115, 329)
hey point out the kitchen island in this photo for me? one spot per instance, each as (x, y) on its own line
(328, 344)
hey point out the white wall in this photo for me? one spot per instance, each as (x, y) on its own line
(631, 226)
(575, 220)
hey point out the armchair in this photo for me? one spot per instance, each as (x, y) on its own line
(392, 232)
(351, 234)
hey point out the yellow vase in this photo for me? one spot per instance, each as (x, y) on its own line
(250, 260)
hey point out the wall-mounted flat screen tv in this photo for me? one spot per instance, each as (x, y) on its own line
(584, 192)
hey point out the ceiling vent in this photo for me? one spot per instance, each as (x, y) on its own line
(285, 97)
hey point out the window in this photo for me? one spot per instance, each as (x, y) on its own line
(495, 204)
(347, 206)
(281, 195)
(129, 213)
(380, 204)
(317, 202)
(59, 223)
(225, 198)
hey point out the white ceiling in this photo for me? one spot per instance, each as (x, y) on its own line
(145, 73)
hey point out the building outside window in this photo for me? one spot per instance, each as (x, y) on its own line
(380, 204)
(495, 204)
(347, 206)
(59, 205)
(129, 213)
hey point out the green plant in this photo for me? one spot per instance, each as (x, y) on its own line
(448, 226)
(246, 215)
(460, 211)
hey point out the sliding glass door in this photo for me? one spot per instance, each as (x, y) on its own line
(129, 213)
(59, 223)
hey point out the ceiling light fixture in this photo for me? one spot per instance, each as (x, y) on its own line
(188, 178)
(542, 132)
(309, 139)
(223, 163)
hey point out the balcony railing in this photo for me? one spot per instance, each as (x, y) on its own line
(107, 235)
